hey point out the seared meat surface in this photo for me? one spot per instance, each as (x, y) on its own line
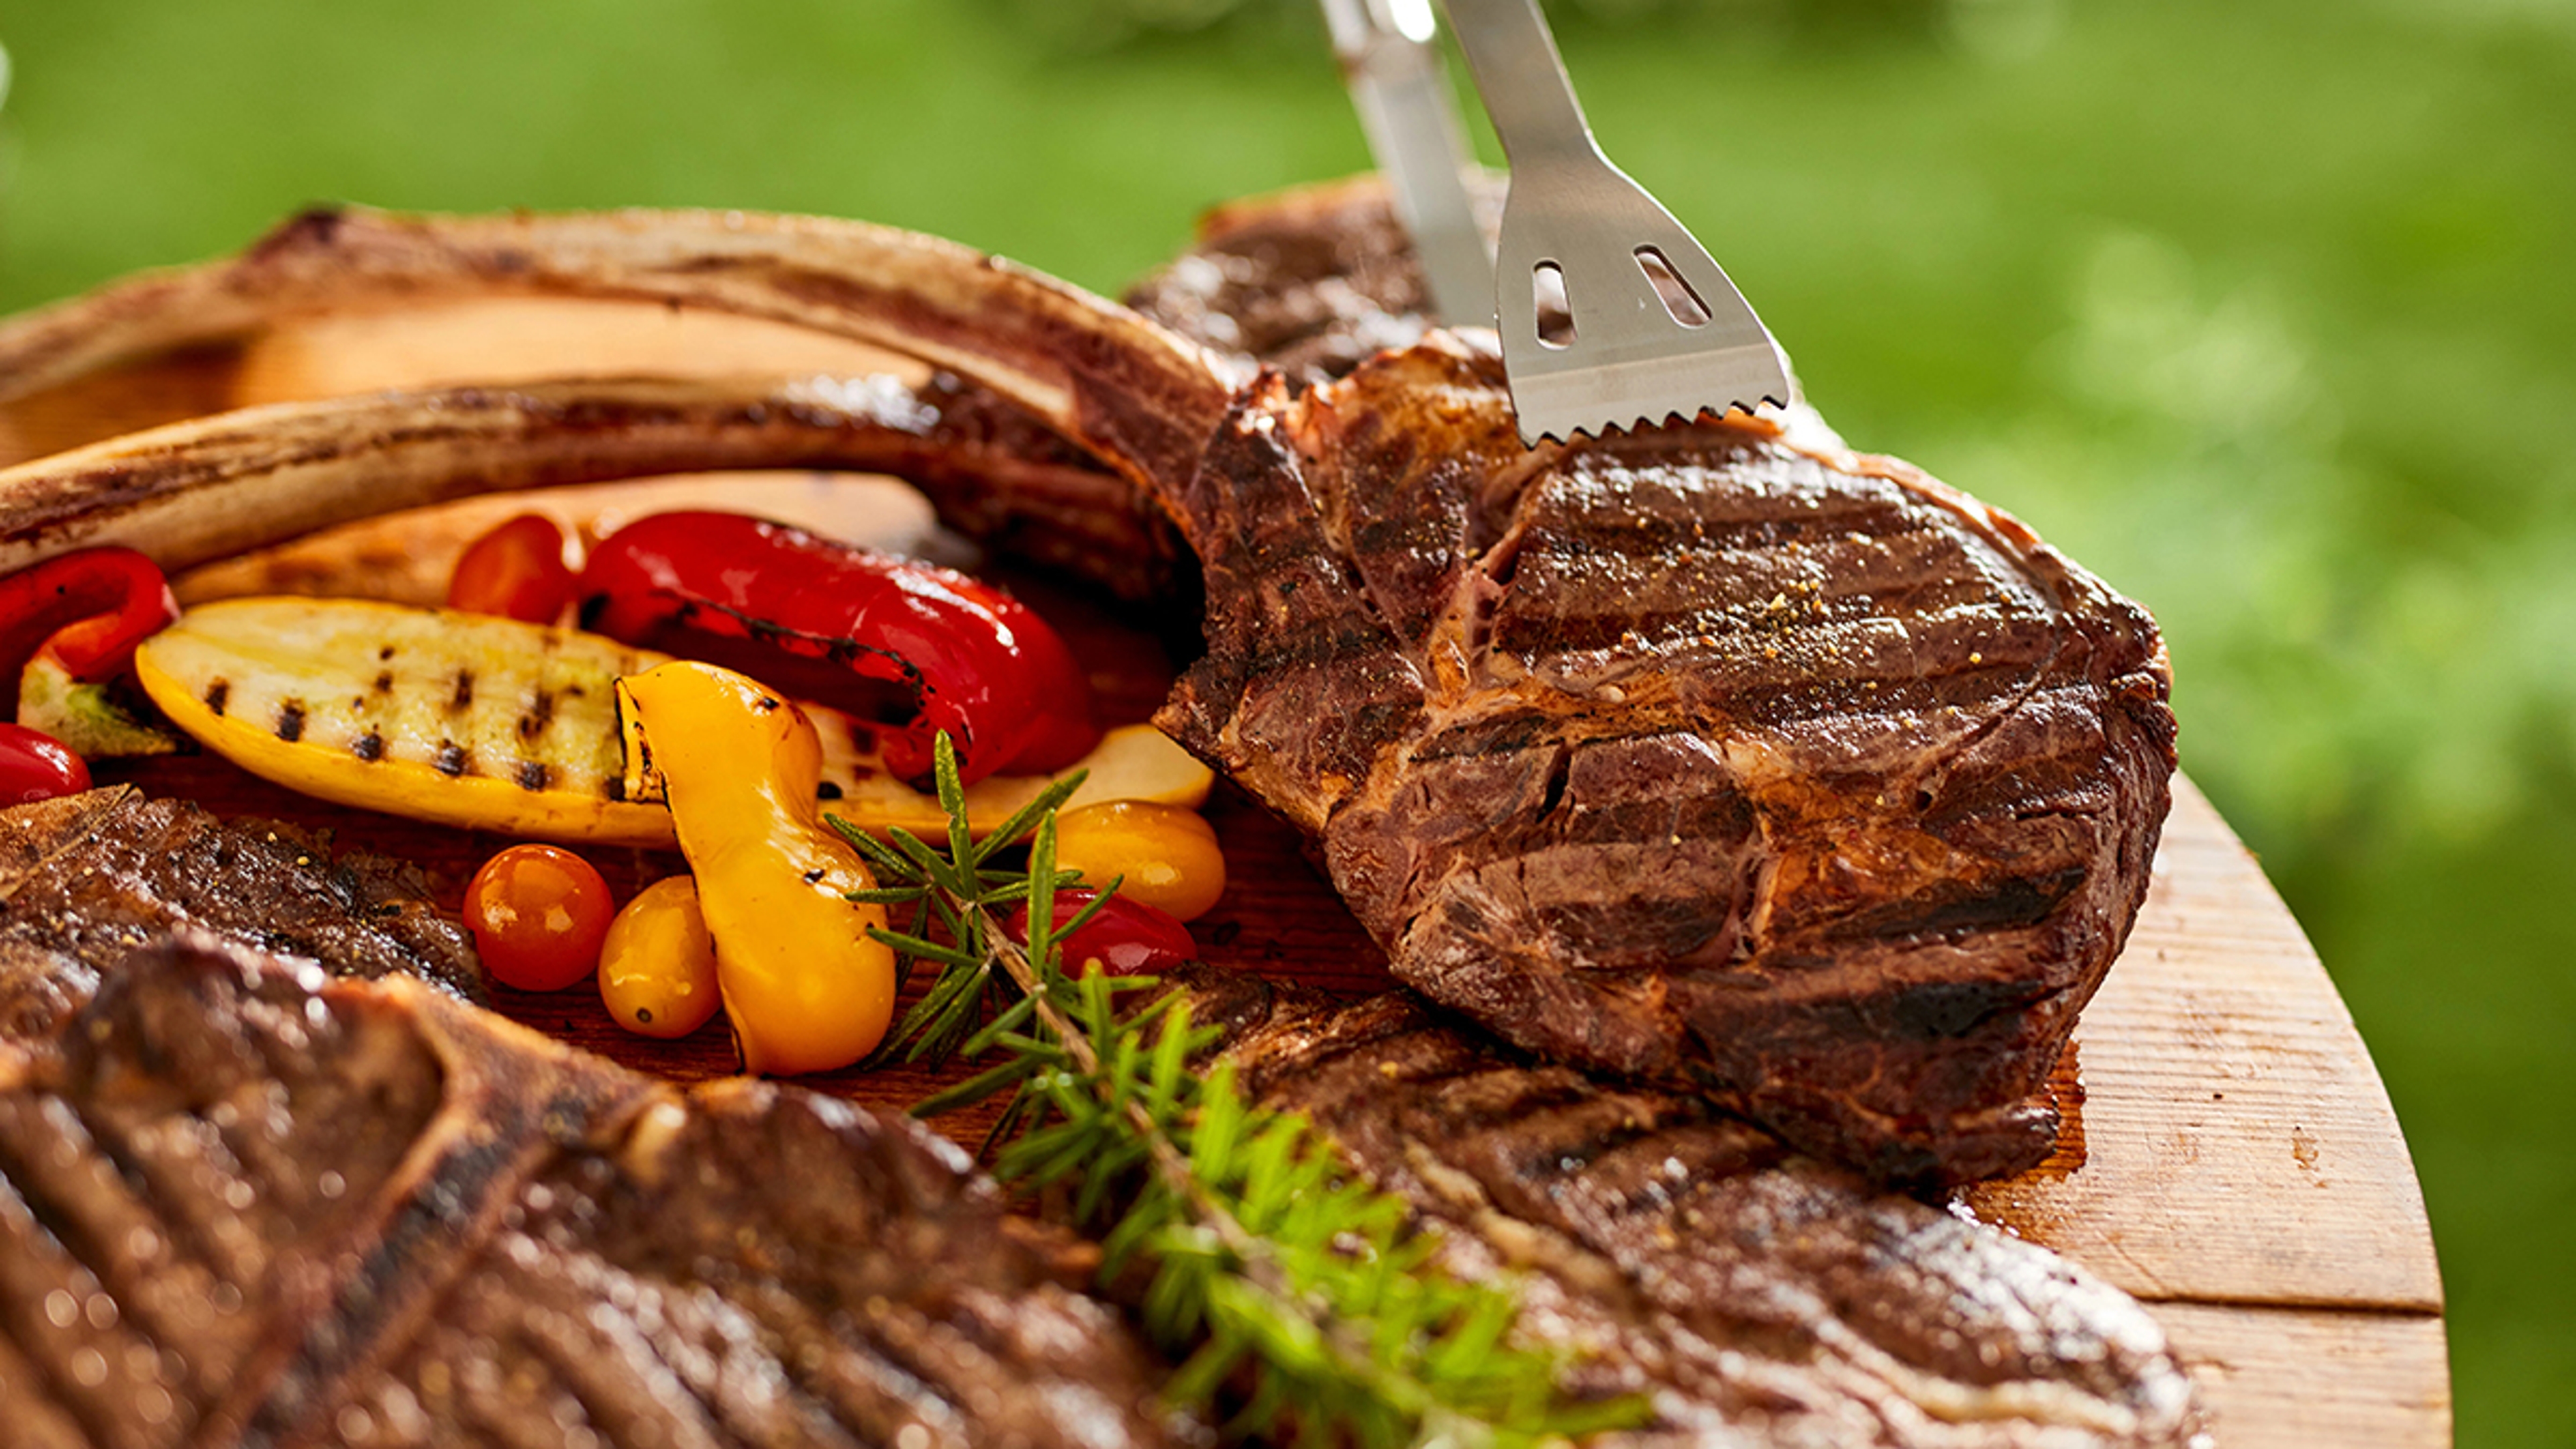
(1005, 479)
(1703, 755)
(245, 1204)
(1800, 781)
(89, 879)
(1758, 1297)
(1310, 283)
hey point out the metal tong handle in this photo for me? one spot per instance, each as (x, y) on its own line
(1522, 80)
(1398, 86)
(1650, 327)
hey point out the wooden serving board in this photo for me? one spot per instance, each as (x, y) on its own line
(2233, 1160)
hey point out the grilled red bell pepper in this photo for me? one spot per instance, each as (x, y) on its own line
(846, 626)
(120, 594)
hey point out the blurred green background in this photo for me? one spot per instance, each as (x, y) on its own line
(2262, 308)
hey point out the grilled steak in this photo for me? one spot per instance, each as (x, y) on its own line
(1758, 1297)
(1703, 755)
(87, 880)
(1714, 755)
(243, 1204)
(1310, 283)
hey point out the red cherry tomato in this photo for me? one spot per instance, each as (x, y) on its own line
(538, 915)
(1127, 938)
(35, 766)
(516, 571)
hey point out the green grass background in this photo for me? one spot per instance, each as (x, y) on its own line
(2266, 309)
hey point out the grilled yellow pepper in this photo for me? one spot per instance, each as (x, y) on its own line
(806, 987)
(492, 724)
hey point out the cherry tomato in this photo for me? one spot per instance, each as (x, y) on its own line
(657, 968)
(516, 571)
(35, 766)
(1127, 938)
(1168, 855)
(538, 915)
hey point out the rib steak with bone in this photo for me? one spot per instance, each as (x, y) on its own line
(1716, 757)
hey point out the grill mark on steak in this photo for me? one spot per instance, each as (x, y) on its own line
(80, 1200)
(88, 879)
(243, 1203)
(1758, 1297)
(1739, 592)
(1313, 281)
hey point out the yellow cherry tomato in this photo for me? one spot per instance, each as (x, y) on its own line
(657, 969)
(1168, 855)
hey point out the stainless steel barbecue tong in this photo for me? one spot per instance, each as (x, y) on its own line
(1611, 314)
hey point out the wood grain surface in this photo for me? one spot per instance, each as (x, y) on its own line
(2243, 1172)
(2237, 1165)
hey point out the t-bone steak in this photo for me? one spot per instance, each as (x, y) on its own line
(87, 880)
(241, 1203)
(1707, 755)
(1757, 1298)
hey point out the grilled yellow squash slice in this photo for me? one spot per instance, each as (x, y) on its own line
(460, 719)
(491, 724)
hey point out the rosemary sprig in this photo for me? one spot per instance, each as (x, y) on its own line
(1267, 1263)
(961, 889)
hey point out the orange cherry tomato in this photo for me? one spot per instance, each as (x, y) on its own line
(657, 968)
(1168, 855)
(36, 766)
(538, 915)
(516, 571)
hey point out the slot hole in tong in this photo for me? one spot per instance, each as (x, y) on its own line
(1554, 311)
(1678, 298)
